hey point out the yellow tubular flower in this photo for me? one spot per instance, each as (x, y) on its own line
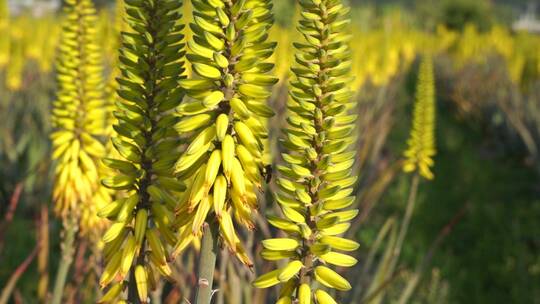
(315, 185)
(4, 28)
(48, 43)
(15, 67)
(151, 64)
(79, 117)
(421, 143)
(225, 119)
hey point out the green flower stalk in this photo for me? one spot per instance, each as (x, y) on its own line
(315, 185)
(151, 64)
(225, 118)
(421, 143)
(419, 155)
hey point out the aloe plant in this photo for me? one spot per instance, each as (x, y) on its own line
(421, 143)
(315, 185)
(79, 118)
(224, 124)
(151, 64)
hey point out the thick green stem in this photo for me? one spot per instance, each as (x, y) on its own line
(222, 275)
(411, 201)
(68, 250)
(207, 263)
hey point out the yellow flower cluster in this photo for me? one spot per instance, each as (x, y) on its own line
(151, 60)
(315, 185)
(225, 120)
(378, 54)
(419, 155)
(80, 118)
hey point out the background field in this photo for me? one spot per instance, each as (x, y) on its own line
(475, 233)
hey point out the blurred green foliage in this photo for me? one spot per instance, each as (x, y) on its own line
(284, 12)
(24, 159)
(491, 256)
(24, 135)
(455, 14)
